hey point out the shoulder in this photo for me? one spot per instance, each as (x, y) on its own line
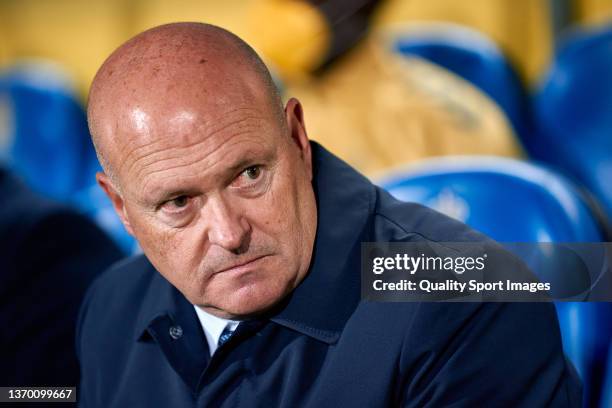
(513, 350)
(113, 301)
(120, 287)
(126, 275)
(445, 343)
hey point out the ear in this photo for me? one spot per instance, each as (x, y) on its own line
(294, 115)
(112, 193)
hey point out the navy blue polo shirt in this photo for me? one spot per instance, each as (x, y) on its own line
(140, 343)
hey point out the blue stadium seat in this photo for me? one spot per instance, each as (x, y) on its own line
(46, 139)
(606, 398)
(516, 201)
(474, 57)
(573, 111)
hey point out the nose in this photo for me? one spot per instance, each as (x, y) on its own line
(226, 227)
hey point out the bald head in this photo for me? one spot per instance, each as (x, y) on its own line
(166, 72)
(205, 168)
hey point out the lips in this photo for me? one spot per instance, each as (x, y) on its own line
(240, 266)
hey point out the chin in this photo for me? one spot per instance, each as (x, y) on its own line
(250, 301)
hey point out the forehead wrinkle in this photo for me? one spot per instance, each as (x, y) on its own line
(242, 126)
(132, 151)
(154, 151)
(208, 128)
(239, 127)
(147, 177)
(201, 175)
(179, 149)
(199, 157)
(244, 117)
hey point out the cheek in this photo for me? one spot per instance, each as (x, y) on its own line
(150, 238)
(168, 249)
(283, 215)
(277, 211)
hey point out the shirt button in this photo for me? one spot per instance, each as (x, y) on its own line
(176, 332)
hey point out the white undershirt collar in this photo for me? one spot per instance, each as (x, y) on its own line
(213, 326)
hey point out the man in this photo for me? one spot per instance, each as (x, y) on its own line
(248, 293)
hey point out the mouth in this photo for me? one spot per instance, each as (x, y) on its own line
(243, 266)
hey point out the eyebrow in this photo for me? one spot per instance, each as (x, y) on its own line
(250, 158)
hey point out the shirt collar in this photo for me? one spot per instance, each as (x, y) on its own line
(213, 326)
(322, 303)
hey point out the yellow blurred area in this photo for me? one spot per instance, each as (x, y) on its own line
(304, 40)
(593, 11)
(77, 34)
(374, 109)
(521, 27)
(81, 33)
(402, 110)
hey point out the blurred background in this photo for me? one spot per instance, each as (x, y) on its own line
(495, 112)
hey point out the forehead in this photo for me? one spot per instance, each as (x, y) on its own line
(159, 149)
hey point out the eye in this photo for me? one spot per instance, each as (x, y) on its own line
(180, 201)
(252, 172)
(250, 179)
(176, 204)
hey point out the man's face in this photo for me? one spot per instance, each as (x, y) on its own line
(221, 203)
